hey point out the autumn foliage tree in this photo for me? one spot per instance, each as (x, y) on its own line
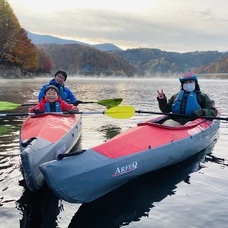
(45, 62)
(15, 46)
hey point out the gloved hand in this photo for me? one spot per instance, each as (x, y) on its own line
(74, 111)
(38, 111)
(76, 103)
(196, 114)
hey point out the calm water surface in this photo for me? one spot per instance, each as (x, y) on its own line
(193, 193)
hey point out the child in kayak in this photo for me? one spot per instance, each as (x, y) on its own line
(52, 102)
(64, 92)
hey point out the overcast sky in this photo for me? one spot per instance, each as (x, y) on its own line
(169, 25)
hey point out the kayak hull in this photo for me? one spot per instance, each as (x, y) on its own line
(145, 148)
(42, 139)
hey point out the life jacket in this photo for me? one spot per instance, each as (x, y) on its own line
(48, 107)
(62, 92)
(185, 103)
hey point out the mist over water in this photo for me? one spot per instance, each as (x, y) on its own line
(191, 194)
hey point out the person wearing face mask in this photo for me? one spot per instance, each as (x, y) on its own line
(189, 101)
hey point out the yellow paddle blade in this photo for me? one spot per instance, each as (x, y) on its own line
(120, 112)
(5, 105)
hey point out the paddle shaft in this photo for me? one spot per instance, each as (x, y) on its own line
(16, 114)
(31, 104)
(55, 113)
(119, 112)
(116, 100)
(108, 103)
(184, 116)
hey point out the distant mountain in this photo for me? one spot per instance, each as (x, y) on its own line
(220, 66)
(107, 47)
(79, 59)
(147, 61)
(48, 39)
(155, 61)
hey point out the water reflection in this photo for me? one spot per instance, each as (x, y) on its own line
(109, 131)
(8, 125)
(134, 200)
(39, 209)
(118, 208)
(217, 160)
(4, 129)
(9, 153)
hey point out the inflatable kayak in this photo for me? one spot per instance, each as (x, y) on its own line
(147, 147)
(42, 139)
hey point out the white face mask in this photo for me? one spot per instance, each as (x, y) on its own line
(189, 87)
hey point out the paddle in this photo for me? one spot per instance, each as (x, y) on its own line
(183, 115)
(108, 103)
(118, 112)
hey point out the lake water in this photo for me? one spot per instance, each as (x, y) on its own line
(193, 193)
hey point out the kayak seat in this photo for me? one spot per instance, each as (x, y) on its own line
(161, 120)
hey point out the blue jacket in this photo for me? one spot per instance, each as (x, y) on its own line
(65, 92)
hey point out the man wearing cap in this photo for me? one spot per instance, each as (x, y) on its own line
(58, 81)
(189, 101)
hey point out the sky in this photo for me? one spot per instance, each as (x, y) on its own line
(169, 25)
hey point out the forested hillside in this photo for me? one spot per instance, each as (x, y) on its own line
(20, 57)
(85, 60)
(18, 52)
(154, 61)
(15, 47)
(220, 66)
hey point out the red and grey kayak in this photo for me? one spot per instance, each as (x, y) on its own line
(147, 147)
(42, 138)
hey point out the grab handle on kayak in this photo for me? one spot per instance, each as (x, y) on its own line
(61, 156)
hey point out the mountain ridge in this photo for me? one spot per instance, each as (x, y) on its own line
(49, 39)
(146, 60)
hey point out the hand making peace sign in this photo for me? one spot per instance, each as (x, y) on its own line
(160, 95)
